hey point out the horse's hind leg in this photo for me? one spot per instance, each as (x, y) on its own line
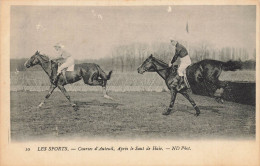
(98, 82)
(51, 89)
(187, 96)
(104, 88)
(63, 90)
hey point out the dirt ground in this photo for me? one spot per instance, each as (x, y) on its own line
(131, 115)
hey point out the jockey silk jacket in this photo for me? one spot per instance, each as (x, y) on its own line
(65, 54)
(180, 51)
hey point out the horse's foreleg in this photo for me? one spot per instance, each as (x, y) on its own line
(173, 97)
(51, 89)
(208, 88)
(221, 86)
(187, 96)
(63, 90)
(218, 90)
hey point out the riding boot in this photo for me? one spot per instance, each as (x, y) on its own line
(180, 83)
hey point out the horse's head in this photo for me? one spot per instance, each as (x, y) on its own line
(36, 59)
(147, 65)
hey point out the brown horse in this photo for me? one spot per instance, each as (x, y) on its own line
(169, 74)
(91, 74)
(203, 74)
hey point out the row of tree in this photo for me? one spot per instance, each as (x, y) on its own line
(126, 58)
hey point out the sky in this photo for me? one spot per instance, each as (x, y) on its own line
(91, 32)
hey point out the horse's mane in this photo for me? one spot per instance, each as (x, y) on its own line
(44, 57)
(161, 62)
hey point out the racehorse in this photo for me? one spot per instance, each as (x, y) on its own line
(152, 64)
(91, 74)
(205, 72)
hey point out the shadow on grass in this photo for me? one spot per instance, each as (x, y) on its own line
(96, 103)
(191, 110)
(82, 104)
(214, 109)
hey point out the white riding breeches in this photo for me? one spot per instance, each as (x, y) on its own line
(68, 63)
(184, 63)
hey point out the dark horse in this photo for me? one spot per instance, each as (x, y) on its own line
(204, 72)
(91, 74)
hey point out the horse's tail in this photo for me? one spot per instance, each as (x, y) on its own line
(231, 65)
(109, 75)
(103, 75)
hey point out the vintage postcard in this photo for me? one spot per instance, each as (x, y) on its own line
(129, 83)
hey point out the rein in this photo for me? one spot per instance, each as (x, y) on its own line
(163, 69)
(163, 63)
(45, 61)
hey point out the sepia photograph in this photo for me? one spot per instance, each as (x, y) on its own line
(155, 73)
(117, 72)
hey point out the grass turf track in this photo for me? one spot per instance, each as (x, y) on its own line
(132, 115)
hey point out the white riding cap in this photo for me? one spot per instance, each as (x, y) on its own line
(59, 45)
(172, 38)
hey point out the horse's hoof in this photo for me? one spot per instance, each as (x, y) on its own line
(166, 113)
(75, 107)
(197, 111)
(220, 100)
(108, 97)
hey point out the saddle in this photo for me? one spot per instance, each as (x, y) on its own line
(70, 68)
(60, 62)
(175, 69)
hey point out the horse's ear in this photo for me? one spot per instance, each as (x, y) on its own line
(151, 55)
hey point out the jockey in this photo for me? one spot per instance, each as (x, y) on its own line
(185, 61)
(69, 60)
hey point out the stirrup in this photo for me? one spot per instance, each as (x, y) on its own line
(178, 88)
